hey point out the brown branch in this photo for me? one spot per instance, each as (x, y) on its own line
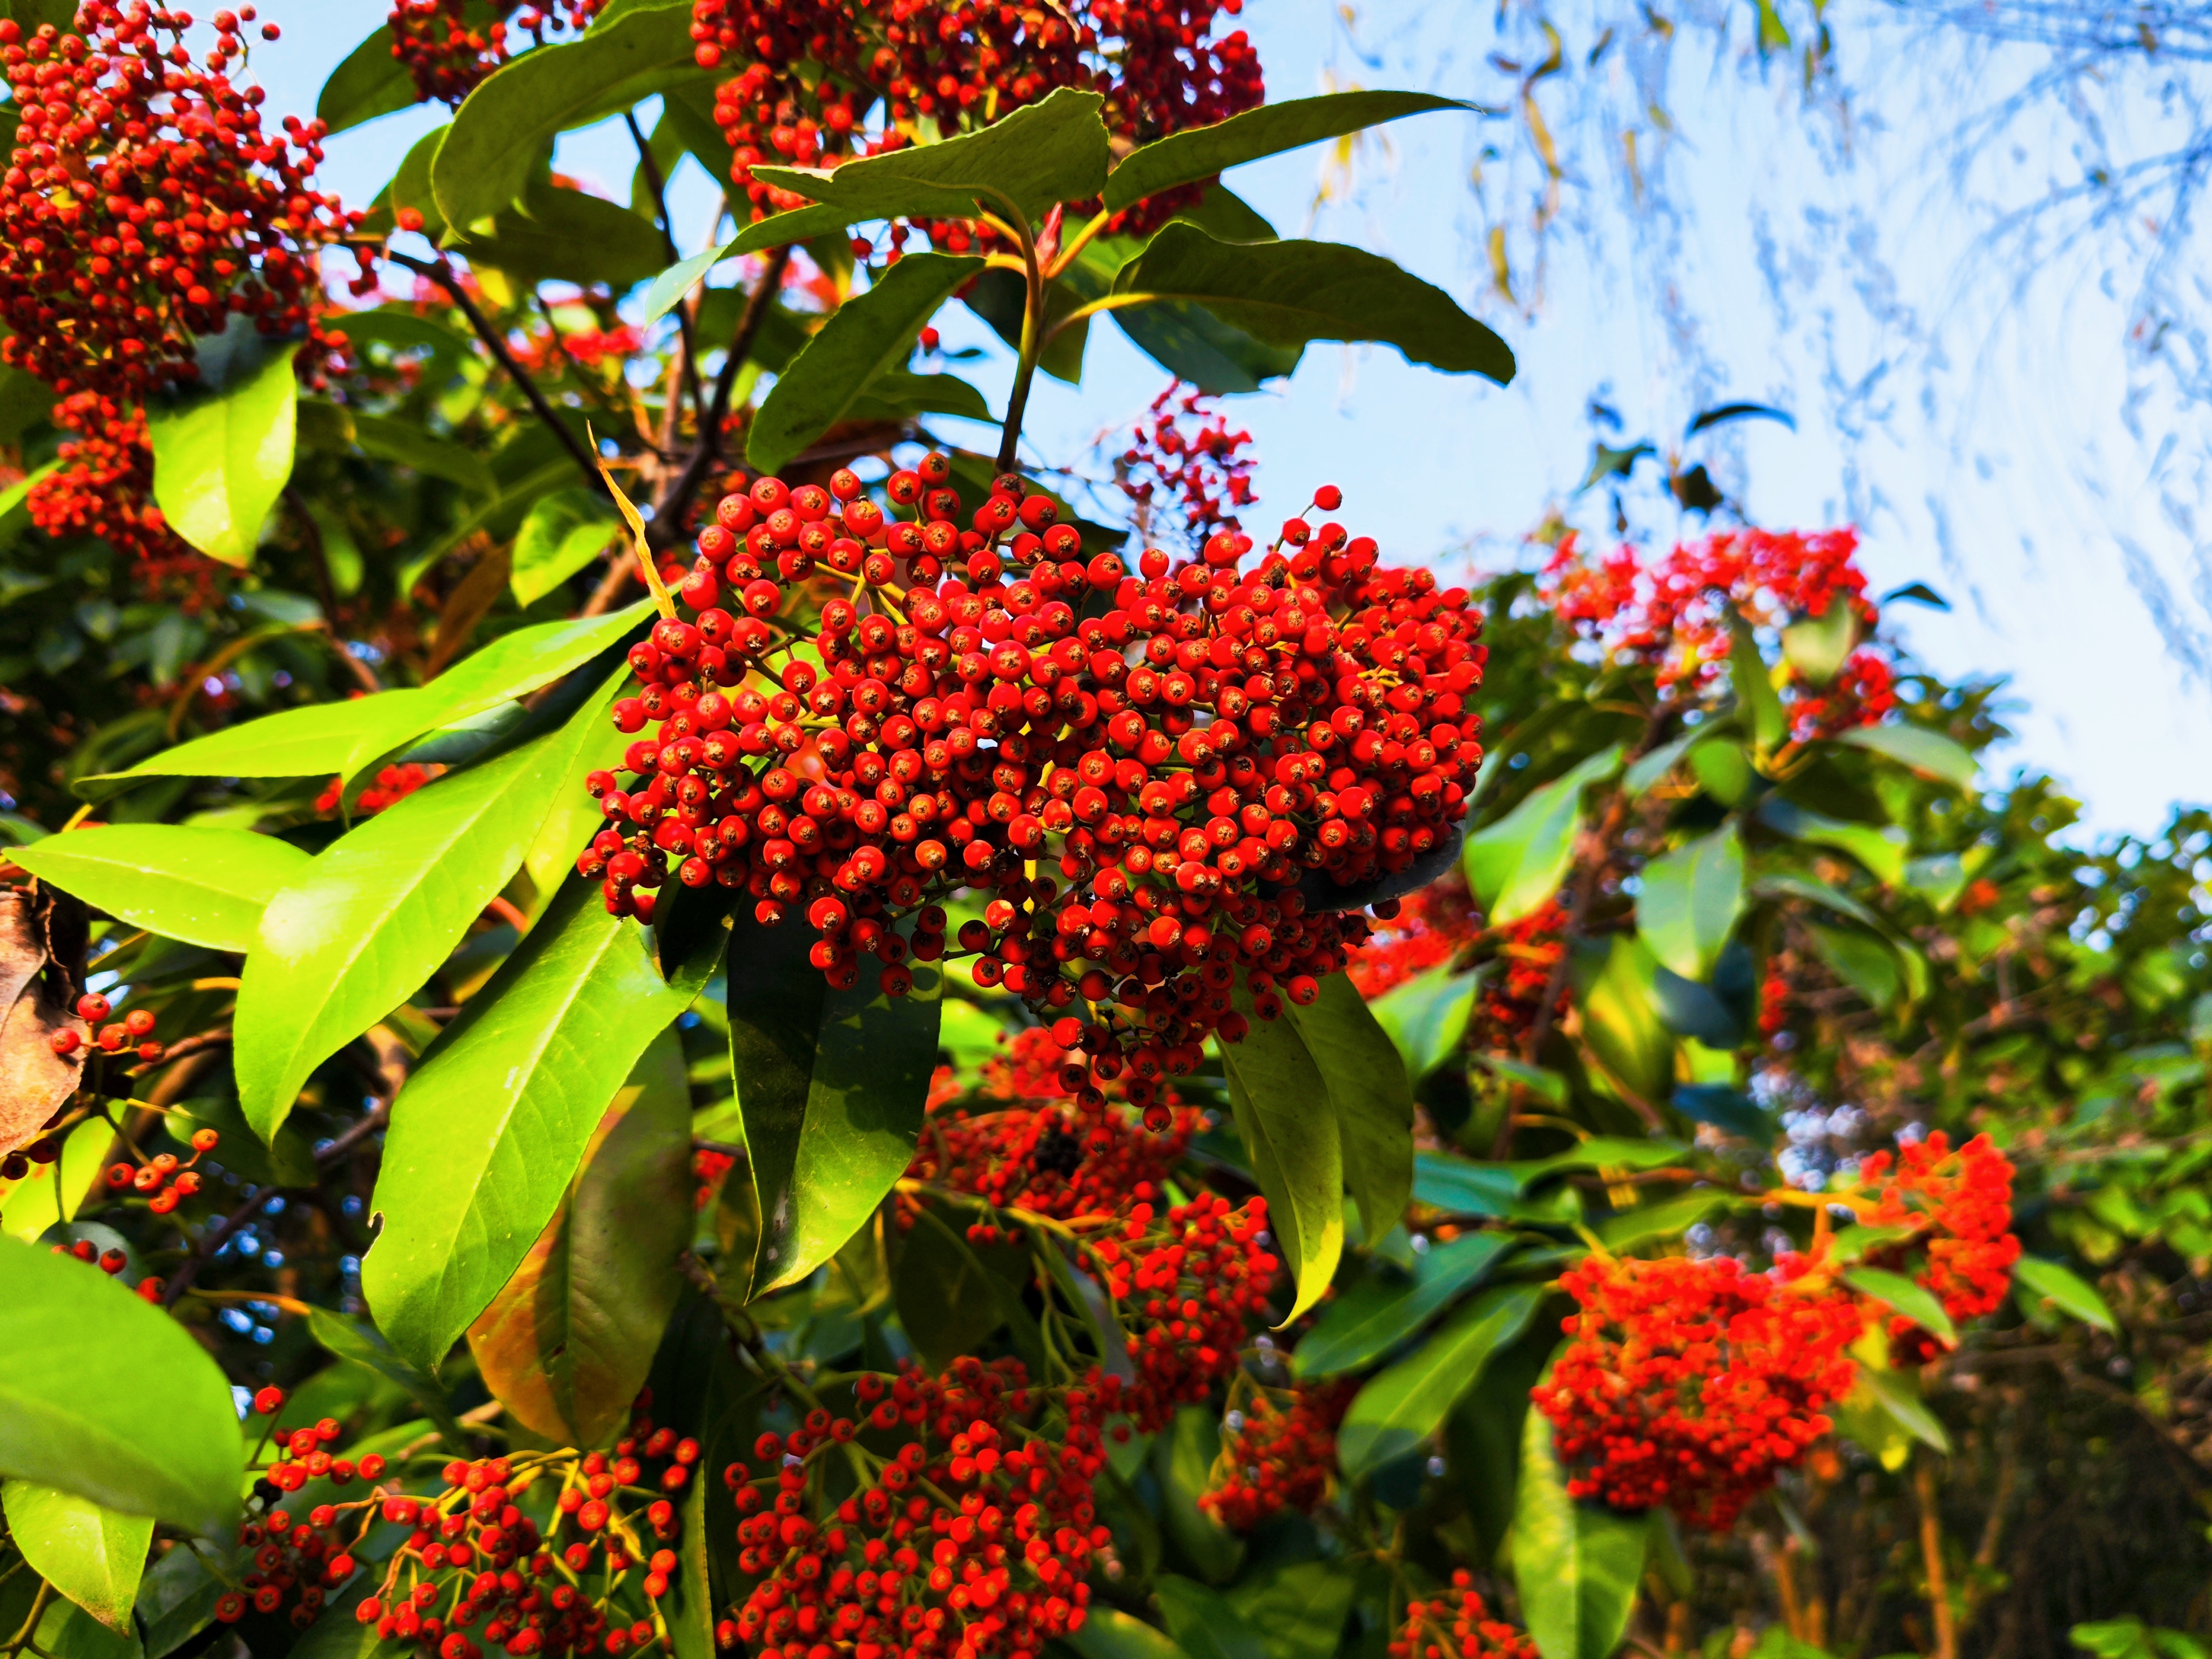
(688, 356)
(669, 505)
(1931, 1553)
(442, 274)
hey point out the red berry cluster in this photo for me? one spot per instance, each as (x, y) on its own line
(1458, 1626)
(1215, 734)
(393, 785)
(1675, 613)
(1959, 1203)
(972, 1534)
(161, 1179)
(1183, 460)
(1277, 1457)
(447, 53)
(1416, 933)
(134, 1031)
(299, 1560)
(144, 206)
(1085, 1158)
(1187, 1284)
(960, 66)
(1530, 949)
(1691, 1383)
(474, 1573)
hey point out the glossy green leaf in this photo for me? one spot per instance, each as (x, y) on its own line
(1928, 753)
(1860, 961)
(1052, 151)
(1515, 864)
(949, 1301)
(1182, 1462)
(1202, 1623)
(1621, 1027)
(1882, 853)
(502, 127)
(1575, 1564)
(1369, 1093)
(564, 533)
(364, 1344)
(90, 1553)
(668, 287)
(1894, 1397)
(375, 913)
(1726, 1109)
(1426, 1017)
(1296, 1608)
(1605, 1152)
(1458, 1186)
(64, 1422)
(1648, 769)
(566, 1344)
(407, 443)
(1669, 1219)
(1281, 1102)
(1915, 1302)
(1723, 770)
(1540, 1081)
(832, 1084)
(205, 886)
(553, 233)
(1400, 1408)
(2037, 1280)
(311, 742)
(1755, 695)
(1109, 1633)
(489, 1131)
(177, 1601)
(1689, 901)
(1287, 293)
(1818, 647)
(1197, 153)
(222, 459)
(52, 1194)
(894, 394)
(868, 334)
(1363, 1323)
(370, 82)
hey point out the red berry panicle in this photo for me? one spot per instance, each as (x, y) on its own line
(478, 1571)
(1215, 734)
(448, 52)
(1183, 462)
(1276, 1457)
(1458, 1626)
(393, 785)
(972, 1530)
(1690, 1383)
(299, 1560)
(1959, 1202)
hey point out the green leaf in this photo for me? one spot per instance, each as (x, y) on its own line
(1203, 1625)
(894, 394)
(374, 916)
(205, 886)
(566, 1344)
(1882, 853)
(221, 459)
(555, 232)
(177, 1601)
(1426, 1017)
(1723, 770)
(1605, 1152)
(405, 443)
(565, 531)
(1369, 1093)
(1297, 1609)
(500, 131)
(1515, 864)
(1621, 1029)
(1460, 1187)
(1915, 1302)
(868, 334)
(1576, 1565)
(948, 1301)
(1281, 1102)
(1543, 1083)
(1039, 156)
(1895, 1396)
(53, 1193)
(489, 1132)
(1287, 293)
(1726, 1108)
(1365, 1322)
(1182, 1461)
(2038, 1280)
(370, 82)
(1689, 901)
(1862, 961)
(64, 1422)
(1817, 646)
(1928, 753)
(1636, 1228)
(1109, 1633)
(1755, 694)
(832, 1084)
(1400, 1408)
(668, 287)
(364, 1344)
(1197, 153)
(1649, 769)
(88, 1552)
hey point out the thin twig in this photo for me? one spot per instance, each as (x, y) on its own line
(688, 356)
(669, 508)
(212, 1243)
(442, 274)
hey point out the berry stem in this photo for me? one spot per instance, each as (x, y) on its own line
(1033, 333)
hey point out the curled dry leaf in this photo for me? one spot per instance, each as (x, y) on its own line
(42, 945)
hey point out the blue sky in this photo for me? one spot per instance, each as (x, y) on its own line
(1961, 391)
